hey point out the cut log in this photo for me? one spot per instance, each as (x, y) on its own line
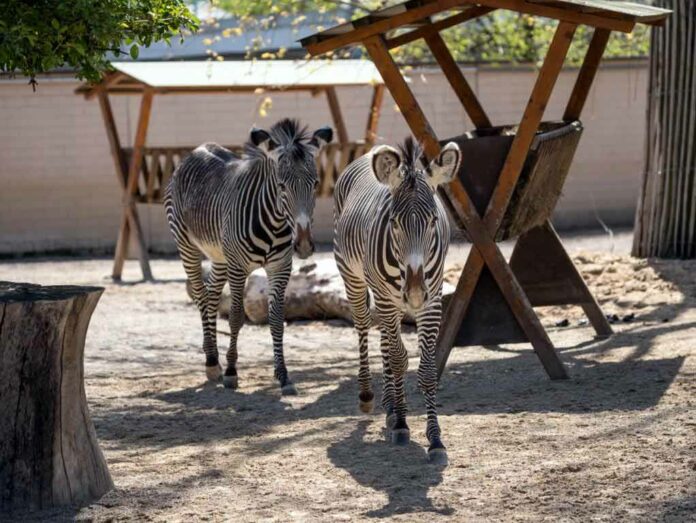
(49, 454)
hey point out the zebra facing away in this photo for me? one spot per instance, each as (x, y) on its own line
(391, 236)
(244, 213)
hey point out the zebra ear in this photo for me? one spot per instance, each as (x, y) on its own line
(262, 139)
(385, 164)
(444, 168)
(321, 136)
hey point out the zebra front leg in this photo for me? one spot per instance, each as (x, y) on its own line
(390, 320)
(236, 278)
(278, 276)
(428, 322)
(387, 380)
(359, 300)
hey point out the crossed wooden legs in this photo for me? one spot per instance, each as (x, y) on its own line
(493, 301)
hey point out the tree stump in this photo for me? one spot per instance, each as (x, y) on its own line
(49, 454)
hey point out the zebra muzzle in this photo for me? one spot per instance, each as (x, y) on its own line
(414, 287)
(303, 245)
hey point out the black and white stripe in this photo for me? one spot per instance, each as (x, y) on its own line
(244, 213)
(391, 235)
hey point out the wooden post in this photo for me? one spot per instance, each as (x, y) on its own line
(49, 453)
(130, 212)
(486, 252)
(373, 117)
(456, 79)
(336, 115)
(587, 74)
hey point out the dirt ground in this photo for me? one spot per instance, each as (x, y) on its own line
(615, 442)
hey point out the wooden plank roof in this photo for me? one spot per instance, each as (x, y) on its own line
(245, 76)
(615, 14)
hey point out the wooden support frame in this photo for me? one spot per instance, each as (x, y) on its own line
(485, 254)
(143, 172)
(525, 281)
(130, 221)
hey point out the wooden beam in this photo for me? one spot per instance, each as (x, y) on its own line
(533, 113)
(563, 15)
(329, 42)
(587, 74)
(373, 117)
(435, 27)
(139, 144)
(336, 115)
(120, 163)
(400, 91)
(456, 79)
(130, 211)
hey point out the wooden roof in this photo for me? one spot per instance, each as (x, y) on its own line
(416, 14)
(244, 76)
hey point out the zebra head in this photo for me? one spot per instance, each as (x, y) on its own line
(413, 214)
(296, 179)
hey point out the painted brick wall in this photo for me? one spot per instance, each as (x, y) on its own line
(59, 191)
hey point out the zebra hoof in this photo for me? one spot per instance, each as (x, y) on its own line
(230, 382)
(400, 437)
(288, 389)
(214, 373)
(366, 406)
(438, 456)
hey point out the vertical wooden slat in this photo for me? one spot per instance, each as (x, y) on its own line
(666, 214)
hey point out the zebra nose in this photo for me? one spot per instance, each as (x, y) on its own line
(303, 246)
(414, 287)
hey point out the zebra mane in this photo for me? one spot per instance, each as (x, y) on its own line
(411, 153)
(289, 134)
(412, 157)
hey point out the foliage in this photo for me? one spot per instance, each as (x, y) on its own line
(39, 35)
(500, 37)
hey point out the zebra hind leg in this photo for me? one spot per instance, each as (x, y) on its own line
(359, 300)
(191, 259)
(214, 285)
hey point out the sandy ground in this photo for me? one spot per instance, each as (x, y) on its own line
(616, 442)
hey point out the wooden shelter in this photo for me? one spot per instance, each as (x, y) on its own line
(143, 171)
(511, 176)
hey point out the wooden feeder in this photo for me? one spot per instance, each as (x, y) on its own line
(512, 175)
(143, 172)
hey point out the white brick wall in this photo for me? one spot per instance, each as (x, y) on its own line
(59, 191)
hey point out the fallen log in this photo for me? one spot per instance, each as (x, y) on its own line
(315, 292)
(49, 454)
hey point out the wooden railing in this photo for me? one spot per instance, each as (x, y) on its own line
(159, 164)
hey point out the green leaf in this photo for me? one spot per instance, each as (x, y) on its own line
(134, 51)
